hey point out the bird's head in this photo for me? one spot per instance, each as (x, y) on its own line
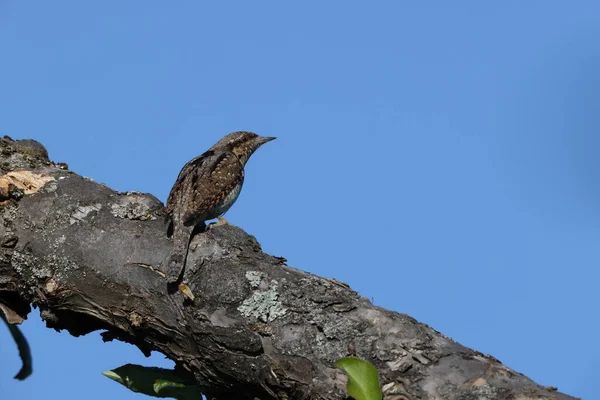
(242, 144)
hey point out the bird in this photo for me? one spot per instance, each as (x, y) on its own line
(205, 189)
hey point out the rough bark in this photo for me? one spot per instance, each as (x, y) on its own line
(90, 258)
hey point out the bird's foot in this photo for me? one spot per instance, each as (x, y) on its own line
(222, 221)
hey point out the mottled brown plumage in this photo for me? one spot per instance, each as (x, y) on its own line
(206, 188)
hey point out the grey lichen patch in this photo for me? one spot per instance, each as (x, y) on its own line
(56, 243)
(22, 261)
(49, 187)
(40, 268)
(130, 211)
(56, 263)
(83, 211)
(136, 206)
(484, 392)
(254, 277)
(264, 305)
(50, 268)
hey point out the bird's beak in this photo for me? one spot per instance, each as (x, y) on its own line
(264, 139)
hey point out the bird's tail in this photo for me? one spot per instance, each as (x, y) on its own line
(182, 236)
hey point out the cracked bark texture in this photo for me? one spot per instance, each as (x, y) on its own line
(91, 258)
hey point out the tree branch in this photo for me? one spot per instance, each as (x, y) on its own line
(91, 258)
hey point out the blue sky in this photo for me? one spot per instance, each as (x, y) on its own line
(440, 158)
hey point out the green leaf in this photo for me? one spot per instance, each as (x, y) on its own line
(363, 380)
(155, 382)
(161, 384)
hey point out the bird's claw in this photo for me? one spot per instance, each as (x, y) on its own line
(222, 221)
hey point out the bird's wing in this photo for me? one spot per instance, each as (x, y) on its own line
(197, 164)
(203, 183)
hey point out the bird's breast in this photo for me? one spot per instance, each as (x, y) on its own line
(228, 200)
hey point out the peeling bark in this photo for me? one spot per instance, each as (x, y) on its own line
(91, 258)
